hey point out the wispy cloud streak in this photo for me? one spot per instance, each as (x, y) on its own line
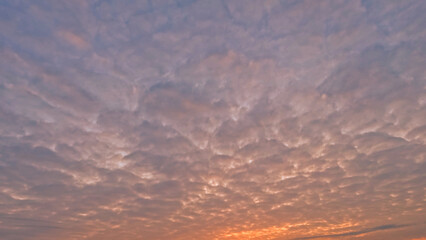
(355, 233)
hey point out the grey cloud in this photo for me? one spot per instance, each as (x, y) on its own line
(367, 230)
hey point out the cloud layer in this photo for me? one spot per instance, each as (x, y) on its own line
(198, 119)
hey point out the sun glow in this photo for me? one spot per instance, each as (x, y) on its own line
(290, 230)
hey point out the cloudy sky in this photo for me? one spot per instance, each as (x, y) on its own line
(212, 119)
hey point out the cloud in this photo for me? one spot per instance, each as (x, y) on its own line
(367, 230)
(73, 39)
(212, 120)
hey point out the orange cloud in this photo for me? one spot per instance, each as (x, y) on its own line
(73, 39)
(293, 230)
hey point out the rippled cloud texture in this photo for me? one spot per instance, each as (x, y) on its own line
(209, 119)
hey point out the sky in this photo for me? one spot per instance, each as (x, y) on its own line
(212, 119)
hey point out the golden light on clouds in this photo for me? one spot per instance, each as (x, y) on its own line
(289, 230)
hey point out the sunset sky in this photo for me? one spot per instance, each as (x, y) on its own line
(212, 119)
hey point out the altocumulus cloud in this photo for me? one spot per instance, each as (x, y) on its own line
(199, 119)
